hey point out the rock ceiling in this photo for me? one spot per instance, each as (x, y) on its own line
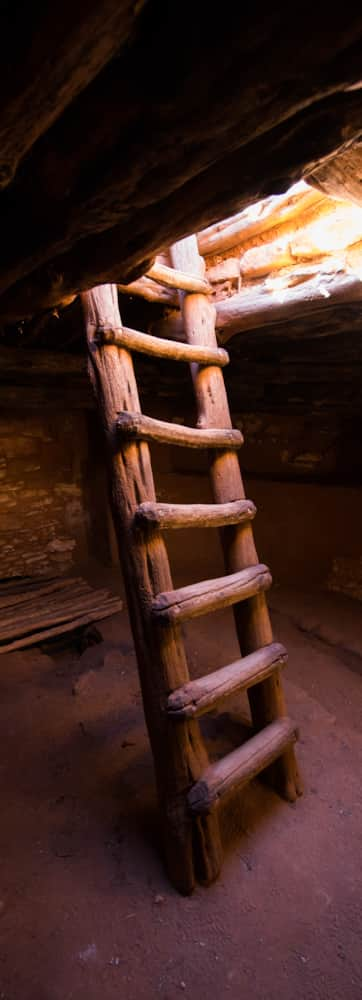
(125, 125)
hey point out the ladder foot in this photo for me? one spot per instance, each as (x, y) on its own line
(207, 848)
(284, 777)
(192, 848)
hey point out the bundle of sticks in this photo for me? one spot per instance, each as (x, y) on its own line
(34, 610)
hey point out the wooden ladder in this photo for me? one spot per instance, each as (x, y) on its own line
(189, 786)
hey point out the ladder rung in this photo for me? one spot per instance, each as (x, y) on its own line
(137, 426)
(197, 515)
(144, 343)
(210, 595)
(173, 278)
(199, 696)
(241, 765)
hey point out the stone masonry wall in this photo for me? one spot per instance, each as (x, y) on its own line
(43, 510)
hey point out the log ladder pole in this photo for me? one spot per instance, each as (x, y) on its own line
(189, 787)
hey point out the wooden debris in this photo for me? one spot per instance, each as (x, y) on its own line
(32, 611)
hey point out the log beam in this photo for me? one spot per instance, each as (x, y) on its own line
(303, 290)
(252, 221)
(272, 304)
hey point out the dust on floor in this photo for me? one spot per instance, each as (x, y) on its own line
(86, 911)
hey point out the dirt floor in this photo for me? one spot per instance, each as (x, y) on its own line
(86, 912)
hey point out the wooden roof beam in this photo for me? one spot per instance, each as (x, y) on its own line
(259, 218)
(275, 301)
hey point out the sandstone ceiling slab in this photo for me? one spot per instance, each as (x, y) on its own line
(341, 175)
(195, 117)
(48, 57)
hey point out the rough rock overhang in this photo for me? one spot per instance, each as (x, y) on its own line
(123, 126)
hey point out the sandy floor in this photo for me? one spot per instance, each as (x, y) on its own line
(86, 912)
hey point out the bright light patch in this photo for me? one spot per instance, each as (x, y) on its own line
(278, 286)
(337, 230)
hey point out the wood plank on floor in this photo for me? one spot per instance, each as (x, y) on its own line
(34, 610)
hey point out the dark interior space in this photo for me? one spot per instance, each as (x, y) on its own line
(180, 196)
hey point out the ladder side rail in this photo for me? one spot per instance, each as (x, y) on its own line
(192, 846)
(251, 617)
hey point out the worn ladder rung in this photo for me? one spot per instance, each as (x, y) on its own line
(136, 426)
(210, 595)
(241, 765)
(197, 515)
(199, 696)
(174, 278)
(144, 343)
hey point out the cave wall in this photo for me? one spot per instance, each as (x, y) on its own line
(43, 504)
(54, 513)
(308, 526)
(309, 534)
(301, 463)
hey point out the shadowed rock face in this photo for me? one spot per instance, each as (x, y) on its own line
(121, 134)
